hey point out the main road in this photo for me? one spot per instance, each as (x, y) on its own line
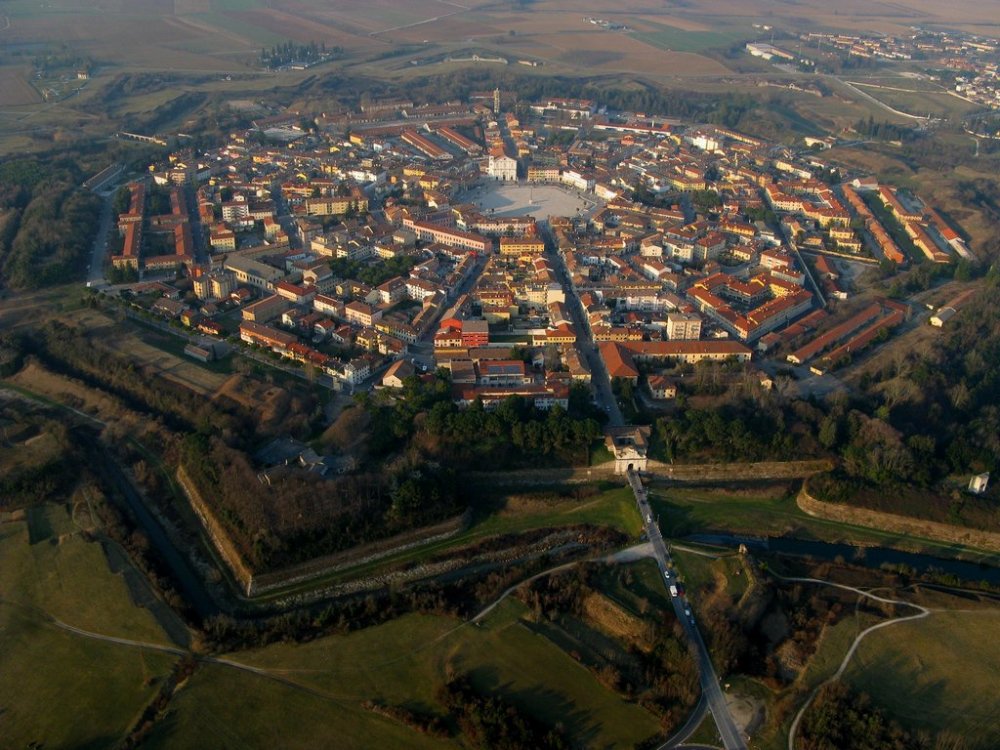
(599, 377)
(731, 736)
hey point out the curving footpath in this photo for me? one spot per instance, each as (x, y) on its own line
(923, 612)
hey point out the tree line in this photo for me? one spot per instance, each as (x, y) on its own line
(292, 52)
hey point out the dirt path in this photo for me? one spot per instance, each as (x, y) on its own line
(274, 675)
(921, 613)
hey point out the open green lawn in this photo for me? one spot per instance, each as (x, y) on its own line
(314, 690)
(222, 708)
(922, 103)
(68, 578)
(936, 673)
(62, 690)
(614, 507)
(57, 688)
(773, 512)
(400, 662)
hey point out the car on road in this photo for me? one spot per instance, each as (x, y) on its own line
(673, 591)
(687, 613)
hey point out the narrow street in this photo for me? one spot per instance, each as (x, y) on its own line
(586, 345)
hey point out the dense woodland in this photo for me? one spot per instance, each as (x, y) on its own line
(47, 223)
(423, 420)
(492, 723)
(925, 415)
(290, 53)
(294, 517)
(420, 440)
(841, 720)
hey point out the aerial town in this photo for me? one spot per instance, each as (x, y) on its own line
(363, 249)
(965, 65)
(509, 376)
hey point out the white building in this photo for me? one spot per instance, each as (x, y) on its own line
(978, 483)
(502, 167)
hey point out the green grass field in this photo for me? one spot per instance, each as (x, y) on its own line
(680, 40)
(400, 662)
(69, 579)
(314, 690)
(921, 103)
(57, 688)
(614, 507)
(684, 511)
(222, 708)
(936, 673)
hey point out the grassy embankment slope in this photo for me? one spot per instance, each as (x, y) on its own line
(936, 673)
(57, 688)
(772, 511)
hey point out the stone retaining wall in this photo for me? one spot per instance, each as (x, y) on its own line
(220, 538)
(896, 524)
(655, 470)
(256, 584)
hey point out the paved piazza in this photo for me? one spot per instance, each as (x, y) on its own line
(541, 201)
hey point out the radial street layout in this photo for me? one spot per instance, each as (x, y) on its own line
(732, 738)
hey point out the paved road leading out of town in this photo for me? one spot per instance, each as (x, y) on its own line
(732, 737)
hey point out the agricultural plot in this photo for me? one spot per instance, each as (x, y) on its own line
(858, 15)
(612, 52)
(380, 15)
(15, 91)
(676, 39)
